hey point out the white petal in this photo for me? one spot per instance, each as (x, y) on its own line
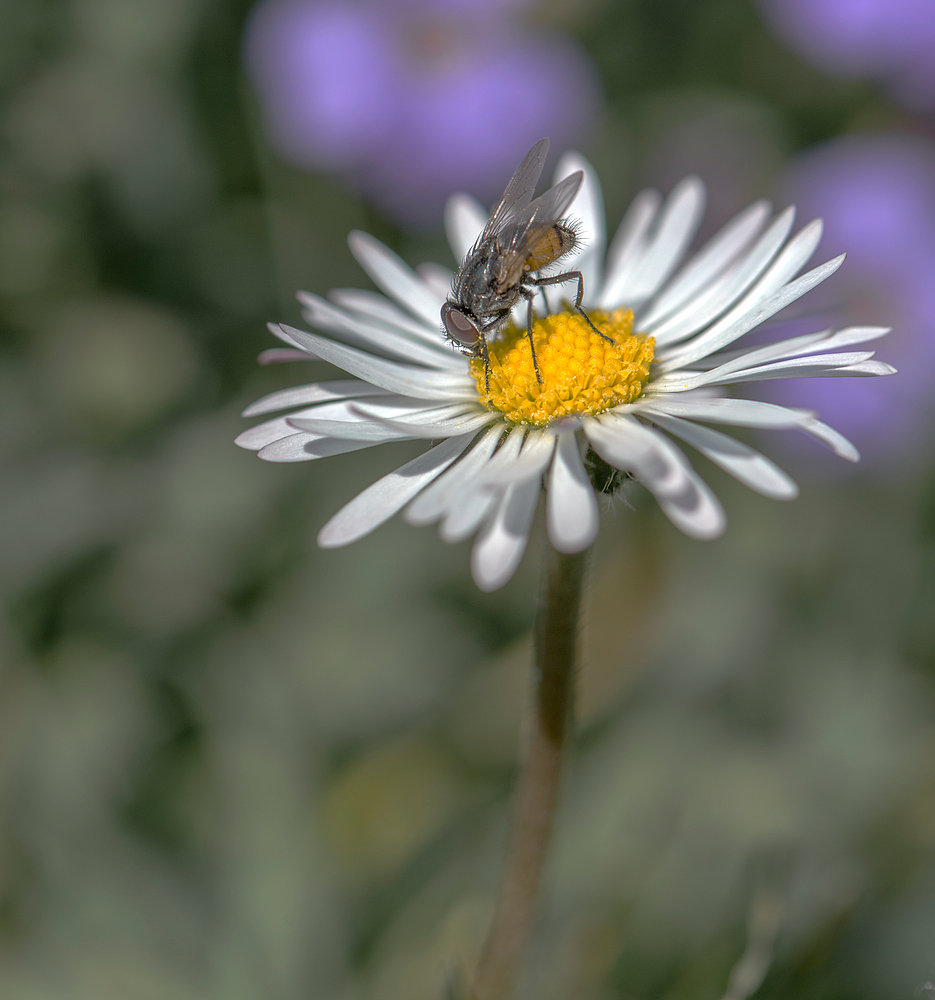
(814, 366)
(750, 413)
(395, 277)
(747, 357)
(850, 336)
(500, 545)
(867, 368)
(727, 334)
(571, 512)
(375, 306)
(465, 219)
(532, 460)
(437, 425)
(662, 469)
(265, 433)
(724, 291)
(369, 335)
(390, 405)
(307, 447)
(677, 224)
(716, 255)
(810, 343)
(767, 297)
(437, 277)
(627, 246)
(720, 410)
(277, 355)
(837, 442)
(434, 500)
(405, 379)
(466, 514)
(315, 392)
(255, 438)
(741, 461)
(505, 456)
(345, 419)
(588, 210)
(380, 501)
(352, 430)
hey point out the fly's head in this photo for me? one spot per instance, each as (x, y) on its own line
(460, 328)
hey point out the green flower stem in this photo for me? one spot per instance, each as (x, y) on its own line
(537, 788)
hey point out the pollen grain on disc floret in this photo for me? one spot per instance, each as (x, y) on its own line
(582, 373)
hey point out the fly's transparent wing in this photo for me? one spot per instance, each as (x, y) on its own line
(519, 191)
(545, 211)
(520, 236)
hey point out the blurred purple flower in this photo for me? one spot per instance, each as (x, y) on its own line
(877, 196)
(413, 99)
(891, 39)
(325, 73)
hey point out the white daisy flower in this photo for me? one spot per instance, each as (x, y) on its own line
(674, 321)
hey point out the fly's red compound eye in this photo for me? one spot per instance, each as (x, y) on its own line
(459, 327)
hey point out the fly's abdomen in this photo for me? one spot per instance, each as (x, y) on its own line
(551, 243)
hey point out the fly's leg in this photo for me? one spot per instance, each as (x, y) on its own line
(483, 341)
(545, 299)
(483, 331)
(530, 295)
(558, 279)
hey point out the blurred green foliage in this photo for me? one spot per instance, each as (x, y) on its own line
(234, 766)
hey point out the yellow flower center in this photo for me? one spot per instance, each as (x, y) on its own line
(581, 372)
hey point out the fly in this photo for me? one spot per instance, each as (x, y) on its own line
(522, 237)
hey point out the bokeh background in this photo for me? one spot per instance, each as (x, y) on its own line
(235, 767)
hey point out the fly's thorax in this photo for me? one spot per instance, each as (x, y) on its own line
(479, 284)
(582, 372)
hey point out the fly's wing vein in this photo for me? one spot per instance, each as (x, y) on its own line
(516, 241)
(519, 191)
(545, 211)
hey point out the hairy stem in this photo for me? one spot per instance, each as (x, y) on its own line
(537, 787)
